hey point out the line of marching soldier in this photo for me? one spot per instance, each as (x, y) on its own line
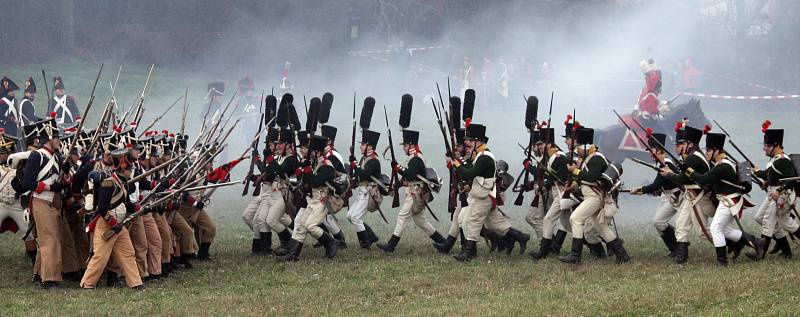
(104, 202)
(302, 181)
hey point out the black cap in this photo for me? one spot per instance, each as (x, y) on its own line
(58, 83)
(122, 158)
(43, 130)
(272, 135)
(656, 140)
(715, 141)
(569, 129)
(370, 137)
(773, 137)
(329, 132)
(460, 134)
(30, 85)
(547, 135)
(476, 132)
(691, 134)
(584, 136)
(302, 138)
(536, 137)
(286, 136)
(7, 85)
(317, 143)
(410, 137)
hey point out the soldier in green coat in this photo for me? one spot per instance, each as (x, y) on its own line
(587, 174)
(415, 196)
(773, 215)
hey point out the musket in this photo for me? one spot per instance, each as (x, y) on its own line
(254, 145)
(543, 161)
(103, 119)
(212, 186)
(21, 142)
(641, 127)
(521, 195)
(353, 137)
(730, 140)
(755, 179)
(140, 107)
(185, 108)
(646, 144)
(452, 191)
(46, 89)
(86, 111)
(114, 86)
(207, 196)
(214, 128)
(643, 163)
(160, 116)
(110, 233)
(567, 191)
(395, 181)
(153, 170)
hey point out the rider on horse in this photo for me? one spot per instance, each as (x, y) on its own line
(649, 108)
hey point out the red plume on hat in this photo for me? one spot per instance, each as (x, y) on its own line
(569, 117)
(678, 126)
(164, 132)
(648, 132)
(467, 123)
(53, 114)
(133, 123)
(706, 129)
(765, 126)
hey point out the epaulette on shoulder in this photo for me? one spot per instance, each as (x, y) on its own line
(107, 183)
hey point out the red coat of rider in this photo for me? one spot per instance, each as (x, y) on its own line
(648, 98)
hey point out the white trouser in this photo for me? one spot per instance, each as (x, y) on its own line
(260, 220)
(16, 213)
(535, 216)
(774, 220)
(358, 207)
(454, 224)
(664, 213)
(332, 224)
(722, 226)
(250, 212)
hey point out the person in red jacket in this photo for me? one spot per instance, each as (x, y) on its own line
(648, 97)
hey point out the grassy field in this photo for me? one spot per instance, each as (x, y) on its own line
(415, 280)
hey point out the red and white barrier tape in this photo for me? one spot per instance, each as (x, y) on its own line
(752, 84)
(728, 97)
(410, 50)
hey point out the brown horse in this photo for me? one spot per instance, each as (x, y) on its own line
(618, 144)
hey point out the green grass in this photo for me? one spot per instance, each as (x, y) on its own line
(415, 280)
